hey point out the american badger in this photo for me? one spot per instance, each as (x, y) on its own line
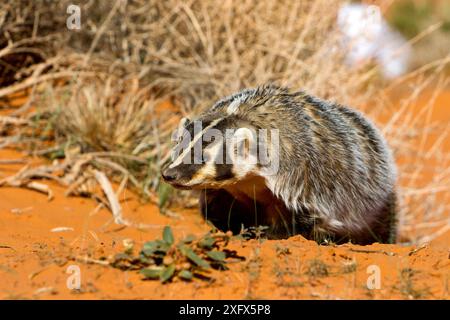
(287, 160)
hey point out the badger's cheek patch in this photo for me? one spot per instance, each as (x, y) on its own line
(197, 179)
(204, 175)
(223, 172)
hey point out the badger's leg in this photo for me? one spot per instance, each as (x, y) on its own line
(386, 226)
(289, 223)
(225, 212)
(382, 230)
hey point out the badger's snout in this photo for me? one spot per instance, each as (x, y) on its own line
(176, 178)
(170, 175)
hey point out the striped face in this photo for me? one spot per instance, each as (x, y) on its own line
(211, 152)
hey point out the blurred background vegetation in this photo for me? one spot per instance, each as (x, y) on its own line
(413, 17)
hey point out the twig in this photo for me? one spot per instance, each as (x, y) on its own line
(435, 235)
(7, 247)
(13, 161)
(101, 30)
(417, 250)
(373, 251)
(40, 187)
(114, 204)
(32, 81)
(13, 120)
(91, 261)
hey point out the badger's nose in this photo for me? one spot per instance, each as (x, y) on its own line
(169, 174)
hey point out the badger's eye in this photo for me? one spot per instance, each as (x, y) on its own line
(201, 159)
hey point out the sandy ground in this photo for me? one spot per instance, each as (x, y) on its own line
(34, 260)
(35, 257)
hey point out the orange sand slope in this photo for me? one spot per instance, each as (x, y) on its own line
(40, 238)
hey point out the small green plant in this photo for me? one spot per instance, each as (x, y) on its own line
(317, 268)
(410, 17)
(190, 258)
(407, 287)
(286, 276)
(282, 250)
(164, 193)
(252, 233)
(349, 267)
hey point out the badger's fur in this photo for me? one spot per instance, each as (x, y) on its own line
(334, 179)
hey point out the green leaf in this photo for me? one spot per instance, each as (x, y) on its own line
(167, 273)
(147, 253)
(57, 154)
(185, 275)
(152, 247)
(143, 259)
(191, 255)
(164, 192)
(168, 235)
(216, 255)
(152, 272)
(189, 238)
(207, 242)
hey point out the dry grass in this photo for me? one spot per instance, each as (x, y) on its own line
(422, 157)
(95, 92)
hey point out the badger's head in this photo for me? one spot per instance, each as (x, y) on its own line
(217, 150)
(210, 152)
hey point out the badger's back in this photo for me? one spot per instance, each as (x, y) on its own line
(335, 164)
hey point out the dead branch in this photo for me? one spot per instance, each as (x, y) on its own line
(13, 120)
(114, 204)
(12, 161)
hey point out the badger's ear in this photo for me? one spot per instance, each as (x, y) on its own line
(182, 125)
(184, 122)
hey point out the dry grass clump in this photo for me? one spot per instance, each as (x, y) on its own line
(408, 288)
(111, 119)
(27, 36)
(95, 92)
(102, 117)
(317, 268)
(113, 124)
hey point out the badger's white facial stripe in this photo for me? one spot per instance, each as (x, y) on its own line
(205, 172)
(243, 151)
(241, 169)
(233, 107)
(195, 139)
